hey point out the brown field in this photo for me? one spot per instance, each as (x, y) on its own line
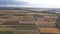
(49, 30)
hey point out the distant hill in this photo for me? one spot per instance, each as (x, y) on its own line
(43, 10)
(10, 8)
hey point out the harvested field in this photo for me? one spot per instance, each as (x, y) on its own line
(28, 19)
(7, 26)
(10, 23)
(43, 24)
(49, 30)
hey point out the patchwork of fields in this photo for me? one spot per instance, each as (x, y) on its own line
(23, 22)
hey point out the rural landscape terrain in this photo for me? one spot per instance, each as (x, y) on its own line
(29, 21)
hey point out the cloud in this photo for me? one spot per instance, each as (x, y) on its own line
(12, 3)
(31, 3)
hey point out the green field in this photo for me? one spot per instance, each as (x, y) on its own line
(6, 32)
(27, 27)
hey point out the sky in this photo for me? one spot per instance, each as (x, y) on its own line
(30, 3)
